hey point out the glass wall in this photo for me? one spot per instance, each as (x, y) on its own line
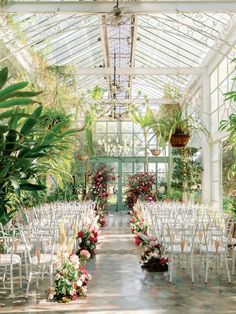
(123, 138)
(220, 83)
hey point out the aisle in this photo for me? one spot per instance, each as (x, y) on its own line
(119, 286)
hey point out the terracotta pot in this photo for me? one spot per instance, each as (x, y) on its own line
(156, 152)
(83, 157)
(179, 140)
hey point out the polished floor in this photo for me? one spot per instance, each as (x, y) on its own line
(120, 286)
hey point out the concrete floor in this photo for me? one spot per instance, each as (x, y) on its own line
(119, 285)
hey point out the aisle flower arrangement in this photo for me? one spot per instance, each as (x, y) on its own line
(138, 227)
(151, 259)
(100, 191)
(87, 240)
(71, 280)
(140, 187)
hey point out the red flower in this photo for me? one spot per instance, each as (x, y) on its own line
(81, 234)
(137, 240)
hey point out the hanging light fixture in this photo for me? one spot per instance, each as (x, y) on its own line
(119, 110)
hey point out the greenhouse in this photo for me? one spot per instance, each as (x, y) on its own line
(118, 156)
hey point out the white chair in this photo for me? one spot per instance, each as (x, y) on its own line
(182, 245)
(10, 259)
(216, 248)
(40, 262)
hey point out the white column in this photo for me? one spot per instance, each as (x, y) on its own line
(206, 146)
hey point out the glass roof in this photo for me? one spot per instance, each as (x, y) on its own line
(142, 41)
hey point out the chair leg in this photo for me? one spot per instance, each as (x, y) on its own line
(28, 285)
(20, 274)
(171, 268)
(26, 266)
(206, 270)
(12, 283)
(233, 262)
(191, 266)
(227, 268)
(51, 273)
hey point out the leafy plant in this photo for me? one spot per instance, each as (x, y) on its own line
(229, 205)
(145, 121)
(186, 176)
(178, 122)
(26, 148)
(230, 126)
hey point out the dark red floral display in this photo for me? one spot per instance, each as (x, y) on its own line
(140, 186)
(100, 191)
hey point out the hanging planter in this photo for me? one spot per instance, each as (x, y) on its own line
(83, 157)
(155, 152)
(179, 140)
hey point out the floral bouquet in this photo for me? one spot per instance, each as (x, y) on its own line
(71, 280)
(151, 259)
(87, 243)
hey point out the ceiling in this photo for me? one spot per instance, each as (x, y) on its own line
(173, 45)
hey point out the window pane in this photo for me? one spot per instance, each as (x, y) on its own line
(214, 79)
(127, 127)
(223, 70)
(214, 100)
(101, 127)
(214, 122)
(112, 127)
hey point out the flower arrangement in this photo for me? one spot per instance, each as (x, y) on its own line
(140, 186)
(87, 242)
(71, 280)
(100, 191)
(137, 223)
(151, 259)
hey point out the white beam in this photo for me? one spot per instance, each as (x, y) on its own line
(134, 101)
(140, 71)
(137, 7)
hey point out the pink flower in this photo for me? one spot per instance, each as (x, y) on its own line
(85, 253)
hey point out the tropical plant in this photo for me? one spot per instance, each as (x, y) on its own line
(53, 116)
(26, 148)
(145, 121)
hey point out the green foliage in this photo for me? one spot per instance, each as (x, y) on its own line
(229, 205)
(53, 116)
(230, 126)
(187, 171)
(26, 148)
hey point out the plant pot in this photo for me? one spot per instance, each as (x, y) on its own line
(155, 152)
(179, 140)
(83, 157)
(155, 267)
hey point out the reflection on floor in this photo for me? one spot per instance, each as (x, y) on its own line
(120, 286)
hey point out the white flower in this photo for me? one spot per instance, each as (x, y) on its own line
(79, 283)
(64, 272)
(89, 276)
(83, 277)
(58, 276)
(79, 240)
